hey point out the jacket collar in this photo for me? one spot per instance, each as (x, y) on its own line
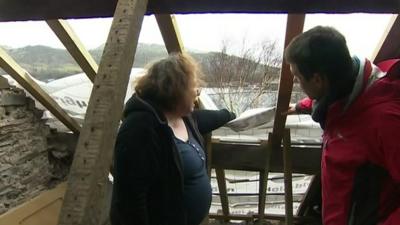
(136, 103)
(367, 74)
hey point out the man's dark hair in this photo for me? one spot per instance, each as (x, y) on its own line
(322, 50)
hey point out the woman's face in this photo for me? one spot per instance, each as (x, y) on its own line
(188, 101)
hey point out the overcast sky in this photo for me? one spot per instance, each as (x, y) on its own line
(205, 32)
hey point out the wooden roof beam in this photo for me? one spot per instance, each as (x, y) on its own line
(169, 32)
(294, 27)
(389, 45)
(86, 191)
(18, 10)
(23, 78)
(67, 36)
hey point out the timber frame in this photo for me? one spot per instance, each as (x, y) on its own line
(19, 10)
(93, 155)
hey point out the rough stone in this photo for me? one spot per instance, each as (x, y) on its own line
(3, 83)
(33, 158)
(12, 99)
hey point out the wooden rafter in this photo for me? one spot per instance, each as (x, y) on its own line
(295, 24)
(23, 78)
(170, 33)
(74, 46)
(67, 9)
(85, 196)
(389, 45)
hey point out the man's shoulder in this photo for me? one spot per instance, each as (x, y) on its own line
(382, 114)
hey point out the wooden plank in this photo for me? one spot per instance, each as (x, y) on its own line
(220, 173)
(294, 26)
(86, 190)
(236, 156)
(169, 32)
(287, 165)
(40, 210)
(64, 9)
(389, 45)
(23, 78)
(74, 46)
(263, 183)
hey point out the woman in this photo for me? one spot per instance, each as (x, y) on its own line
(160, 174)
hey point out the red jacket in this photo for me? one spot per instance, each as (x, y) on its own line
(361, 152)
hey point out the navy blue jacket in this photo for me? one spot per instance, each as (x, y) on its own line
(148, 180)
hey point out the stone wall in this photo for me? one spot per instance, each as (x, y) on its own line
(33, 157)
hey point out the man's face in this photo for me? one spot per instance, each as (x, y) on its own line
(315, 87)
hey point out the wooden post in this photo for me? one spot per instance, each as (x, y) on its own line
(85, 196)
(295, 23)
(287, 164)
(263, 182)
(220, 173)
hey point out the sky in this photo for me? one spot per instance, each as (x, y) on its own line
(207, 32)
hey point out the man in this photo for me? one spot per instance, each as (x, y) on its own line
(358, 106)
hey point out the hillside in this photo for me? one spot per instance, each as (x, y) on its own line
(46, 63)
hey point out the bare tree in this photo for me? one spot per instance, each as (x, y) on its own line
(240, 80)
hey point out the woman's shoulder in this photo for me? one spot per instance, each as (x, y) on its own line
(141, 120)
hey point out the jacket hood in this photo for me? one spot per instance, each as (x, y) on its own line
(136, 105)
(372, 88)
(363, 82)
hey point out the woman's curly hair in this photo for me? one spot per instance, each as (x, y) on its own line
(167, 81)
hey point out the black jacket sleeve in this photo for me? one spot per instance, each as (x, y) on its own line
(132, 176)
(209, 120)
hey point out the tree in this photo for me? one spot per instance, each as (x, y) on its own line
(241, 80)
